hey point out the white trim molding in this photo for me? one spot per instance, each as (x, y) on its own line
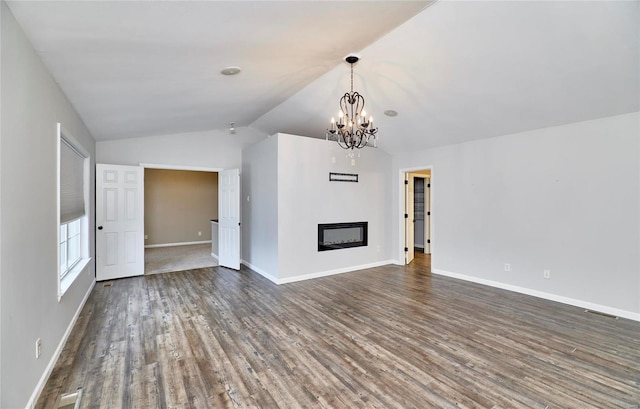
(56, 354)
(544, 295)
(332, 272)
(260, 271)
(186, 243)
(319, 274)
(180, 167)
(400, 215)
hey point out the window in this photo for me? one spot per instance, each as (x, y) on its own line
(73, 231)
(69, 246)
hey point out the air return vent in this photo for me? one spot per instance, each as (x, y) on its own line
(70, 400)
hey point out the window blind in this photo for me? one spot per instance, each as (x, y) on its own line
(71, 183)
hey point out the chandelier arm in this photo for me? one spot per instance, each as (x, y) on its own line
(353, 130)
(342, 141)
(362, 139)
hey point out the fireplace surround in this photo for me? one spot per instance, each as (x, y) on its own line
(334, 236)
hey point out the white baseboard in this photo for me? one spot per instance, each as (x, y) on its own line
(332, 272)
(186, 243)
(56, 354)
(541, 294)
(418, 246)
(260, 271)
(319, 274)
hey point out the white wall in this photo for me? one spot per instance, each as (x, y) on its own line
(564, 198)
(259, 178)
(31, 106)
(307, 198)
(287, 177)
(209, 149)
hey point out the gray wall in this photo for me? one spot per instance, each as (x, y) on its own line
(564, 198)
(259, 182)
(209, 149)
(31, 105)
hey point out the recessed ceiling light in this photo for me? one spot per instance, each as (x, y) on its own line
(391, 112)
(230, 70)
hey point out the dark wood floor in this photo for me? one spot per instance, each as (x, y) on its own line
(387, 337)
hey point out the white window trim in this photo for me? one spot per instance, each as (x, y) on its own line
(65, 283)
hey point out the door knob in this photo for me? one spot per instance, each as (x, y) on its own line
(99, 227)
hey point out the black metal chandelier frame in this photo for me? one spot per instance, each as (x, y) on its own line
(353, 129)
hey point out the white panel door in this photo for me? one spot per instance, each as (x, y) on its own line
(409, 219)
(229, 219)
(119, 221)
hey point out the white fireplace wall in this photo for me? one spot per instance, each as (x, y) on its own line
(287, 180)
(307, 198)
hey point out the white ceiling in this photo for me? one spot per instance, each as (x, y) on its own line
(139, 68)
(454, 71)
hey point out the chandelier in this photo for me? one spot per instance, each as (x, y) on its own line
(353, 129)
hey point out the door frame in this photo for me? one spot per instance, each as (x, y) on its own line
(409, 218)
(145, 166)
(401, 207)
(180, 167)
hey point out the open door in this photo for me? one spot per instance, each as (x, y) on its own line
(119, 221)
(427, 215)
(409, 239)
(229, 219)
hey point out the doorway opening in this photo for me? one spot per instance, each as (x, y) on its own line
(416, 216)
(180, 212)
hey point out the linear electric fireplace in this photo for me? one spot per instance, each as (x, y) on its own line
(335, 236)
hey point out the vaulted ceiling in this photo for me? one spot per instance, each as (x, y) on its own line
(454, 71)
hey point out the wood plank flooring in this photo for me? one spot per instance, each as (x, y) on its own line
(387, 337)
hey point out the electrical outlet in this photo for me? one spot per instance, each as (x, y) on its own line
(199, 233)
(379, 248)
(507, 267)
(547, 274)
(38, 347)
(146, 237)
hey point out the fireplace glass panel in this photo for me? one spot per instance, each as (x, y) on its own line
(341, 235)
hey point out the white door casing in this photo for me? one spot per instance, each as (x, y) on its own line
(229, 219)
(409, 219)
(427, 215)
(119, 221)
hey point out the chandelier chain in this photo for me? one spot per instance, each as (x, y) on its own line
(352, 78)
